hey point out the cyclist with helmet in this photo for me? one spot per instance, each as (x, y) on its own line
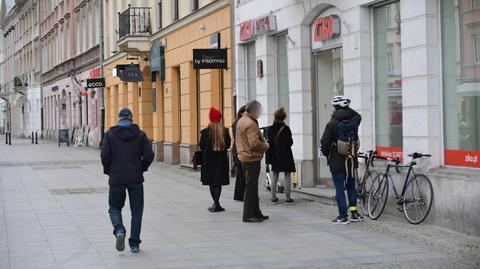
(339, 144)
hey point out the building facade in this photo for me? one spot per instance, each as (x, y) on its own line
(70, 42)
(21, 68)
(171, 102)
(410, 68)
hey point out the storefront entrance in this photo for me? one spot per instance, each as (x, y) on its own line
(329, 83)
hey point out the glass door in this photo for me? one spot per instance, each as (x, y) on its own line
(329, 83)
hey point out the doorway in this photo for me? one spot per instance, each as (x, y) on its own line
(329, 83)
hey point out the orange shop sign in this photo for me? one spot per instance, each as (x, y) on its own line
(468, 158)
(390, 152)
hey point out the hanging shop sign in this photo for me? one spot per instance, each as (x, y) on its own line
(326, 30)
(95, 83)
(257, 26)
(157, 60)
(210, 58)
(129, 72)
(95, 72)
(215, 40)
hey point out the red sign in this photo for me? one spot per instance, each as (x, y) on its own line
(247, 30)
(326, 28)
(95, 72)
(390, 152)
(265, 24)
(462, 158)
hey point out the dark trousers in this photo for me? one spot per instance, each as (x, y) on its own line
(215, 192)
(251, 205)
(339, 181)
(239, 183)
(116, 200)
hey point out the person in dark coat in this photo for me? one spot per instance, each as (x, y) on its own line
(126, 155)
(214, 143)
(279, 155)
(239, 192)
(342, 113)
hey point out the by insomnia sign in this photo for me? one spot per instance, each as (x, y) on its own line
(210, 58)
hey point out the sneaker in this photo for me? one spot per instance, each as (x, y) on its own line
(135, 249)
(356, 217)
(289, 201)
(275, 200)
(120, 243)
(340, 220)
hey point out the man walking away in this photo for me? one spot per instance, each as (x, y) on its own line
(340, 145)
(126, 155)
(250, 149)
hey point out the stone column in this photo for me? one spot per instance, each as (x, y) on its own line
(422, 91)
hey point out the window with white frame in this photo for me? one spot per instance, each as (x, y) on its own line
(250, 71)
(476, 49)
(281, 59)
(461, 84)
(388, 80)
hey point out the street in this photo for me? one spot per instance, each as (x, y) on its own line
(53, 214)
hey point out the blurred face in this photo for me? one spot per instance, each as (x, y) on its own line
(256, 112)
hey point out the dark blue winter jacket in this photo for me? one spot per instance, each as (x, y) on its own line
(126, 154)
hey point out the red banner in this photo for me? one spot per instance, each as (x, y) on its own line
(390, 152)
(468, 158)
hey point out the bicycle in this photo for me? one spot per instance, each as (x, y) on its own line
(363, 184)
(415, 199)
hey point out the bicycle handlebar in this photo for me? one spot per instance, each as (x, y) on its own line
(417, 155)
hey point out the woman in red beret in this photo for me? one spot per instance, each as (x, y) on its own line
(214, 144)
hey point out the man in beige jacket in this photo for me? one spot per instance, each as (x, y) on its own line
(250, 149)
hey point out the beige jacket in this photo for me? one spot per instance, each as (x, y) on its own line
(249, 141)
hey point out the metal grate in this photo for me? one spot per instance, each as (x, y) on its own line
(69, 191)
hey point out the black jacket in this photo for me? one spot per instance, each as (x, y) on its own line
(279, 155)
(336, 161)
(215, 166)
(126, 154)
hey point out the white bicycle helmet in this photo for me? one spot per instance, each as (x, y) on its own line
(340, 101)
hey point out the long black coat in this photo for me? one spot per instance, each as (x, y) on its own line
(279, 155)
(215, 166)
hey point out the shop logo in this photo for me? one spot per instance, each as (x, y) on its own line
(96, 83)
(471, 158)
(326, 28)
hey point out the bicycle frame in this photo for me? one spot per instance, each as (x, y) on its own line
(410, 172)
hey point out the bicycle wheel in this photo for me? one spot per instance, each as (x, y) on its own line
(365, 189)
(418, 199)
(377, 197)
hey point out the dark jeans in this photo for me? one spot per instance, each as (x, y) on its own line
(116, 200)
(339, 181)
(251, 206)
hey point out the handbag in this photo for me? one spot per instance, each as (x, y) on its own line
(197, 159)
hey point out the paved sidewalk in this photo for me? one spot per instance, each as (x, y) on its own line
(53, 214)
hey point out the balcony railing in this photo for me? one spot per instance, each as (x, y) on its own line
(134, 21)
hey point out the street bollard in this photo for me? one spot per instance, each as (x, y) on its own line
(36, 138)
(32, 138)
(10, 138)
(6, 138)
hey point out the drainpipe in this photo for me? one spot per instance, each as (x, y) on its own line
(102, 105)
(233, 65)
(41, 68)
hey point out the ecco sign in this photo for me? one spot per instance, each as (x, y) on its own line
(95, 83)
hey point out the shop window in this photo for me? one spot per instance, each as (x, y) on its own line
(388, 80)
(461, 83)
(281, 57)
